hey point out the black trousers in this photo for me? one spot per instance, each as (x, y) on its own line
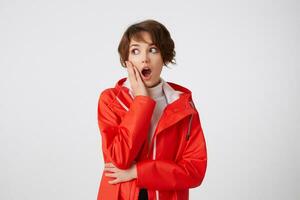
(143, 194)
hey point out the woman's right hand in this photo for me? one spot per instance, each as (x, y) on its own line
(136, 81)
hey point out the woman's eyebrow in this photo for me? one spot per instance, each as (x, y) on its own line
(134, 45)
(137, 45)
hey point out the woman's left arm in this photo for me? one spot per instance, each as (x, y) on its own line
(188, 172)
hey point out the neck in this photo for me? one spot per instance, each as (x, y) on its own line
(155, 84)
(156, 91)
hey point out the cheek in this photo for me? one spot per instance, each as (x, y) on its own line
(157, 59)
(158, 70)
(133, 59)
(158, 63)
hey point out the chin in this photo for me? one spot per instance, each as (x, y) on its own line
(151, 84)
(148, 85)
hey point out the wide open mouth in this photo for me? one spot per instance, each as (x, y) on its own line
(146, 72)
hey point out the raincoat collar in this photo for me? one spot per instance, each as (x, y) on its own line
(179, 99)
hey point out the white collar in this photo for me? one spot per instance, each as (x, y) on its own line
(156, 91)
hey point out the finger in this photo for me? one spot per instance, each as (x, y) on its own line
(131, 74)
(111, 169)
(109, 165)
(113, 175)
(130, 70)
(138, 75)
(115, 181)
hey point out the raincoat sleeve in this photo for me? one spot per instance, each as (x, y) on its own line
(187, 172)
(123, 137)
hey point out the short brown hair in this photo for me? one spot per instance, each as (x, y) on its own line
(159, 35)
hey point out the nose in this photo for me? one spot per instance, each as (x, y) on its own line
(145, 58)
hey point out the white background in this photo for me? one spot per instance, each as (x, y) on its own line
(239, 58)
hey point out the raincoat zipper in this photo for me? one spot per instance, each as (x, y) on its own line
(154, 136)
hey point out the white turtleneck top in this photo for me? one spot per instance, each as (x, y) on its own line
(158, 95)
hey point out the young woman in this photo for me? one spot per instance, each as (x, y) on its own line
(152, 140)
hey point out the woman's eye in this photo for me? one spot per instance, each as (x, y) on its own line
(135, 51)
(153, 50)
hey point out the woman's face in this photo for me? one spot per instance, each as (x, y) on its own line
(147, 58)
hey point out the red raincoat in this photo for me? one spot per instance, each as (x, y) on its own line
(177, 157)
